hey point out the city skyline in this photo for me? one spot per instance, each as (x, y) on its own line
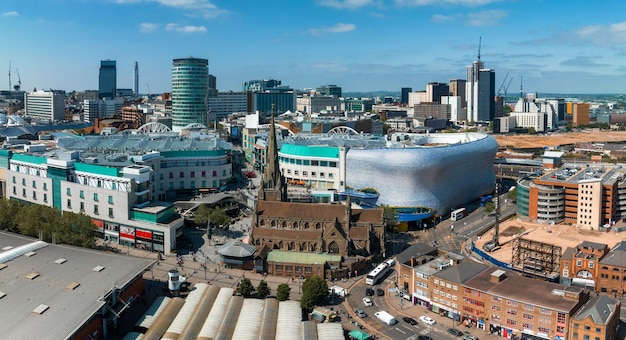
(359, 45)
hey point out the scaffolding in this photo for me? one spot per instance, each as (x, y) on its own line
(534, 258)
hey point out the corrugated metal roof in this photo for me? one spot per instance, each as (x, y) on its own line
(301, 257)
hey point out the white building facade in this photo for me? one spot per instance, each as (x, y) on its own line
(45, 105)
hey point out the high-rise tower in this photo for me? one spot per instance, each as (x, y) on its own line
(190, 81)
(107, 84)
(480, 91)
(136, 79)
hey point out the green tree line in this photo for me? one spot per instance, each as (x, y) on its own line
(39, 220)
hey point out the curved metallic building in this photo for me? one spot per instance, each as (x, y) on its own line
(438, 171)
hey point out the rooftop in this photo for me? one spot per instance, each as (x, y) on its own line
(600, 308)
(64, 279)
(461, 272)
(301, 258)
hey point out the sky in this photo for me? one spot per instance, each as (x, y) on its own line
(549, 46)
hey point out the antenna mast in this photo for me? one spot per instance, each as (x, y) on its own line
(480, 39)
(521, 86)
(9, 75)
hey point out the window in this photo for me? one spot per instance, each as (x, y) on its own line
(543, 330)
(511, 322)
(214, 173)
(203, 173)
(95, 196)
(82, 206)
(99, 183)
(14, 191)
(111, 212)
(455, 287)
(590, 264)
(34, 195)
(68, 192)
(511, 312)
(69, 203)
(13, 179)
(45, 186)
(527, 316)
(95, 209)
(34, 184)
(192, 174)
(114, 188)
(181, 174)
(45, 198)
(527, 326)
(24, 192)
(82, 194)
(171, 174)
(110, 199)
(512, 303)
(528, 307)
(23, 181)
(579, 263)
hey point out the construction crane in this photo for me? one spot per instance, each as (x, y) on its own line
(9, 75)
(19, 81)
(503, 90)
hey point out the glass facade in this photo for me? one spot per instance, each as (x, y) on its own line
(108, 79)
(190, 78)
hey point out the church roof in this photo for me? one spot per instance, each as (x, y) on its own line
(301, 257)
(317, 211)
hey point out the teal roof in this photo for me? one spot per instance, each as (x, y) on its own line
(301, 258)
(29, 158)
(97, 169)
(310, 151)
(194, 153)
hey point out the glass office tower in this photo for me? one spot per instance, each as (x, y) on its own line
(107, 84)
(189, 92)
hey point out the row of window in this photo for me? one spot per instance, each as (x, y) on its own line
(192, 174)
(24, 194)
(307, 162)
(96, 210)
(81, 194)
(313, 174)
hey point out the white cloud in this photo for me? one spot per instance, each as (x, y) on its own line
(603, 34)
(485, 18)
(415, 3)
(350, 4)
(195, 8)
(146, 27)
(184, 29)
(337, 28)
(10, 14)
(440, 18)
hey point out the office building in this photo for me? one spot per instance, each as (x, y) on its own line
(609, 279)
(260, 85)
(317, 103)
(281, 98)
(101, 108)
(227, 103)
(189, 92)
(458, 89)
(457, 111)
(45, 105)
(480, 91)
(107, 84)
(580, 114)
(404, 96)
(435, 90)
(329, 90)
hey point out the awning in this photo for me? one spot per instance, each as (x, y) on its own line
(359, 334)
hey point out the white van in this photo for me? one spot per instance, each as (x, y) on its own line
(385, 317)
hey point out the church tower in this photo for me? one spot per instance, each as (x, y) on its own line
(273, 187)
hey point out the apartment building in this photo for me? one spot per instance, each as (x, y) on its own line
(500, 302)
(579, 265)
(598, 319)
(446, 288)
(611, 277)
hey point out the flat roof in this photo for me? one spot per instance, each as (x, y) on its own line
(69, 305)
(301, 258)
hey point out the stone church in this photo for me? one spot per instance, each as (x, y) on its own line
(345, 230)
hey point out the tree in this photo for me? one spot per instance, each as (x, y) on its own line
(512, 194)
(202, 215)
(489, 207)
(216, 216)
(389, 217)
(245, 288)
(314, 289)
(263, 290)
(532, 130)
(282, 292)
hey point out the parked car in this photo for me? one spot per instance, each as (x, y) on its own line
(360, 313)
(424, 337)
(409, 320)
(380, 292)
(427, 320)
(369, 292)
(455, 332)
(367, 302)
(470, 337)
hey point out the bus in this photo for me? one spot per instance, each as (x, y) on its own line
(378, 273)
(458, 214)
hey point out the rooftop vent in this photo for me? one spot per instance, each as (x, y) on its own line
(60, 261)
(98, 269)
(72, 285)
(2, 295)
(30, 253)
(41, 309)
(2, 266)
(498, 276)
(32, 275)
(7, 248)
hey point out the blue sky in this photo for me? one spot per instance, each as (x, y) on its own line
(559, 46)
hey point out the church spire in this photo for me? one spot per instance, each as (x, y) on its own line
(273, 180)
